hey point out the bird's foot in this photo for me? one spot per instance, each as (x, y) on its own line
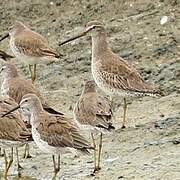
(123, 127)
(1, 155)
(27, 156)
(20, 167)
(55, 173)
(96, 170)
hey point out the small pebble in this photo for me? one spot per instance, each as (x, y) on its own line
(163, 20)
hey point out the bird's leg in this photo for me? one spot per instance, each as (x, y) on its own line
(30, 70)
(19, 167)
(33, 72)
(99, 153)
(94, 144)
(59, 160)
(111, 100)
(124, 116)
(26, 152)
(56, 169)
(1, 154)
(8, 164)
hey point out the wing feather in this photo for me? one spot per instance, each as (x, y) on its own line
(33, 44)
(59, 131)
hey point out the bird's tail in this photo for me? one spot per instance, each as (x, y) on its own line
(85, 151)
(5, 56)
(111, 127)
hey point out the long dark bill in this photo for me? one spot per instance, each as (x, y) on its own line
(4, 37)
(10, 111)
(73, 38)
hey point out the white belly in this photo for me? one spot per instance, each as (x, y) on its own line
(8, 143)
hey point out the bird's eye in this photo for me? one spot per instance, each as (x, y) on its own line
(26, 100)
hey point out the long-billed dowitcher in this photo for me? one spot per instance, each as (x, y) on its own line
(14, 86)
(111, 73)
(93, 112)
(53, 134)
(13, 131)
(30, 47)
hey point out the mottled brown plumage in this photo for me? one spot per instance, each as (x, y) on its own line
(59, 131)
(30, 47)
(13, 131)
(93, 112)
(31, 43)
(14, 86)
(56, 130)
(12, 127)
(53, 134)
(92, 109)
(111, 73)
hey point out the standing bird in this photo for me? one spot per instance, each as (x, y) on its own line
(30, 47)
(14, 86)
(111, 73)
(13, 131)
(53, 134)
(93, 113)
(4, 56)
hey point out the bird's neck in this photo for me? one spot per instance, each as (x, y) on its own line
(99, 45)
(88, 90)
(17, 31)
(36, 115)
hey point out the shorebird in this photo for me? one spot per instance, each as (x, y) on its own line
(53, 134)
(93, 112)
(13, 131)
(14, 86)
(111, 73)
(4, 56)
(30, 47)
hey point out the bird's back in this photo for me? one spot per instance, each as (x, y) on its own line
(116, 76)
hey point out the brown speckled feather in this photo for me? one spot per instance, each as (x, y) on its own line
(16, 87)
(59, 131)
(19, 87)
(111, 73)
(118, 74)
(33, 44)
(92, 109)
(12, 126)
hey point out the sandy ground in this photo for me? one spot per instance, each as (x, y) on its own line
(149, 147)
